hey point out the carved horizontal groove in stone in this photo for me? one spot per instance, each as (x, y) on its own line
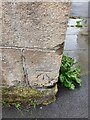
(28, 48)
(58, 48)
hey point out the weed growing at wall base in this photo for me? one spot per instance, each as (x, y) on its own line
(69, 75)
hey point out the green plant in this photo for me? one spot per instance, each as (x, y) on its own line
(74, 17)
(78, 24)
(69, 73)
(17, 105)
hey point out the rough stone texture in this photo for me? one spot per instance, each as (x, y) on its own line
(28, 96)
(32, 43)
(34, 24)
(12, 70)
(1, 67)
(42, 68)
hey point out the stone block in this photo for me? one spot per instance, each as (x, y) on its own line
(0, 66)
(12, 69)
(32, 45)
(34, 24)
(42, 68)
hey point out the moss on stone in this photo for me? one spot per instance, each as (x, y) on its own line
(28, 95)
(75, 17)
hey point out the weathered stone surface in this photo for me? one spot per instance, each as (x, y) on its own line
(29, 96)
(40, 24)
(12, 69)
(0, 66)
(42, 67)
(32, 46)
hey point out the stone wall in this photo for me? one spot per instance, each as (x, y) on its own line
(32, 43)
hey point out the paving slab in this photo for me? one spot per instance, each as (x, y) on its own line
(80, 8)
(73, 21)
(72, 30)
(76, 42)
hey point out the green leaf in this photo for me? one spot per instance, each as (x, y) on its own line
(72, 87)
(79, 81)
(62, 78)
(17, 105)
(69, 85)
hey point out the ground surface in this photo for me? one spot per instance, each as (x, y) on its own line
(69, 104)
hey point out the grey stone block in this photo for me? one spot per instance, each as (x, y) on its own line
(12, 69)
(42, 68)
(32, 45)
(39, 24)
